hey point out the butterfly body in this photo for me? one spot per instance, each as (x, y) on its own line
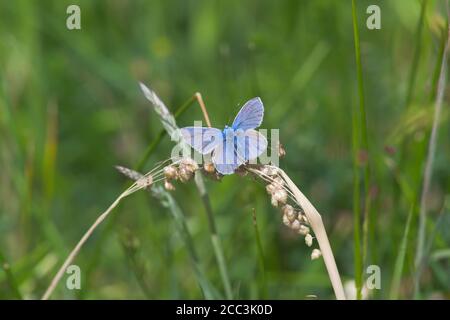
(228, 132)
(235, 144)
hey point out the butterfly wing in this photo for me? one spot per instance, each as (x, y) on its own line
(250, 144)
(250, 116)
(203, 140)
(225, 157)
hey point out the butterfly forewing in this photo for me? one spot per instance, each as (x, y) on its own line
(250, 116)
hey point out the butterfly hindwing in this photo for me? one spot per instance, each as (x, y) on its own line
(225, 158)
(250, 144)
(203, 140)
(250, 116)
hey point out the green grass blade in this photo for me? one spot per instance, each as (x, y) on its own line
(356, 204)
(215, 240)
(429, 164)
(260, 257)
(169, 202)
(364, 144)
(10, 279)
(417, 52)
(400, 261)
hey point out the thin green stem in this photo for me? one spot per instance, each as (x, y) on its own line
(400, 261)
(356, 204)
(362, 109)
(427, 252)
(429, 163)
(364, 152)
(217, 246)
(260, 256)
(130, 246)
(417, 52)
(218, 252)
(180, 221)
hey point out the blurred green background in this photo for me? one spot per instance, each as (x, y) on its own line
(71, 109)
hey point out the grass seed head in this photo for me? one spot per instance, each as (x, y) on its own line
(209, 167)
(269, 171)
(168, 185)
(281, 151)
(303, 230)
(133, 175)
(278, 182)
(274, 202)
(309, 240)
(302, 217)
(296, 225)
(280, 195)
(170, 172)
(270, 188)
(315, 254)
(144, 182)
(189, 164)
(292, 216)
(286, 221)
(289, 212)
(184, 174)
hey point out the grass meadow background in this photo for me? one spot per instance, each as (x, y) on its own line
(71, 109)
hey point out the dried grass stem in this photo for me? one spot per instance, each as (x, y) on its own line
(316, 223)
(144, 182)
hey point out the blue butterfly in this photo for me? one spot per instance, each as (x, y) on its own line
(233, 145)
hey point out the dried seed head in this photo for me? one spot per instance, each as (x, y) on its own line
(309, 240)
(170, 172)
(296, 225)
(134, 175)
(189, 164)
(274, 202)
(185, 174)
(302, 218)
(280, 196)
(303, 230)
(278, 181)
(270, 188)
(286, 221)
(292, 216)
(168, 185)
(268, 171)
(281, 151)
(209, 167)
(145, 181)
(315, 254)
(241, 171)
(287, 209)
